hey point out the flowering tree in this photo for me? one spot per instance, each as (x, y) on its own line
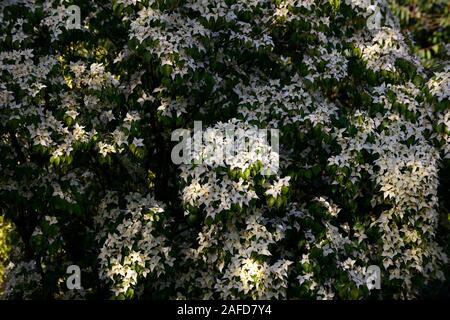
(87, 115)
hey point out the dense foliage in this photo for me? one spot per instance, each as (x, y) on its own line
(86, 118)
(427, 22)
(5, 244)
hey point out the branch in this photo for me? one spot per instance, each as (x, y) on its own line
(16, 145)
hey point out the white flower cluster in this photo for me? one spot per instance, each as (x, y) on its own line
(284, 104)
(406, 174)
(235, 259)
(439, 85)
(382, 50)
(210, 183)
(95, 77)
(133, 250)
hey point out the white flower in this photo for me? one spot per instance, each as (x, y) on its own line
(138, 142)
(105, 149)
(72, 113)
(51, 220)
(275, 189)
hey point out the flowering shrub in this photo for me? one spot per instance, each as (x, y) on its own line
(87, 179)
